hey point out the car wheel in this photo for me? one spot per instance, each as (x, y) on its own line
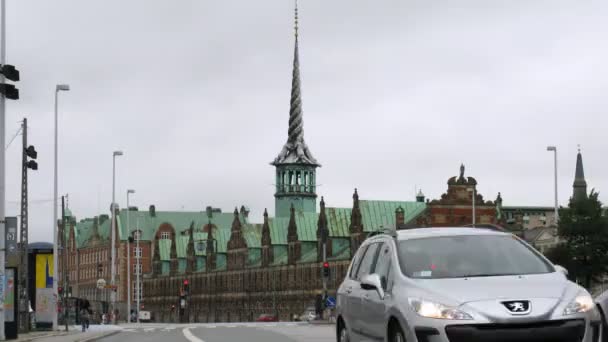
(342, 333)
(397, 334)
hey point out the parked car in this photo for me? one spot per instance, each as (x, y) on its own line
(460, 285)
(267, 318)
(309, 314)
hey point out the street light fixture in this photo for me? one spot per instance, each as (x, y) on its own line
(554, 150)
(113, 246)
(58, 88)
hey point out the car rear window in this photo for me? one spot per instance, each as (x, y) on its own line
(469, 256)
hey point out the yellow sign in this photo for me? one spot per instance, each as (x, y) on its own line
(44, 271)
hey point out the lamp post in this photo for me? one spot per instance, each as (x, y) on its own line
(474, 193)
(129, 238)
(113, 246)
(58, 88)
(139, 268)
(554, 150)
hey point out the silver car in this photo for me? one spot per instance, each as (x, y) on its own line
(460, 285)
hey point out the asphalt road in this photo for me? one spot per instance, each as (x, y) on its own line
(235, 332)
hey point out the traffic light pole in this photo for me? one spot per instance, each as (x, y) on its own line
(2, 162)
(24, 306)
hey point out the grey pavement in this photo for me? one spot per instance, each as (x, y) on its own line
(225, 332)
(74, 334)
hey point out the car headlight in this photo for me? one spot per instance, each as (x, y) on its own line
(582, 303)
(430, 309)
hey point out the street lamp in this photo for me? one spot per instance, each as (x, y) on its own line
(474, 192)
(554, 149)
(58, 88)
(112, 247)
(129, 239)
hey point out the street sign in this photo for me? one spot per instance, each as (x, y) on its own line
(11, 235)
(330, 302)
(101, 283)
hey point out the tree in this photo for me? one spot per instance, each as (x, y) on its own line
(584, 235)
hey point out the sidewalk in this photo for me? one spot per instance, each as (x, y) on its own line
(74, 334)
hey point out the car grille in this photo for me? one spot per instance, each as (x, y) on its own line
(549, 331)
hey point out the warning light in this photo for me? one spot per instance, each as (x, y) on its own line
(433, 266)
(186, 282)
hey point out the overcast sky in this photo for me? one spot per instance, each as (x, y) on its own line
(396, 94)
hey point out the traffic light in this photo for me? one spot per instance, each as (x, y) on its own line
(10, 72)
(9, 90)
(60, 290)
(186, 287)
(31, 153)
(326, 269)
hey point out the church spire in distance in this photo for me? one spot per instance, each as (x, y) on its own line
(580, 184)
(295, 150)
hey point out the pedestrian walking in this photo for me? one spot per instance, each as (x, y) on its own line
(84, 318)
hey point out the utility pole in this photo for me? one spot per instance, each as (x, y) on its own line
(27, 152)
(65, 278)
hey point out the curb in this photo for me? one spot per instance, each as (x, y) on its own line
(99, 337)
(42, 336)
(321, 323)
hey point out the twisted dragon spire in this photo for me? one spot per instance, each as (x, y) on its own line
(295, 150)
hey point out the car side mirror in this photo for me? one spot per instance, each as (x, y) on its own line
(373, 282)
(561, 269)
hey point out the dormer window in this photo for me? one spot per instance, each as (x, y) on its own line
(165, 236)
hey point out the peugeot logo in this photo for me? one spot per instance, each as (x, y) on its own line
(518, 307)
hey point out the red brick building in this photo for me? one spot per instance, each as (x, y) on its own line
(455, 207)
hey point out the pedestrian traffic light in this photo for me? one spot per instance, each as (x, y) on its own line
(326, 269)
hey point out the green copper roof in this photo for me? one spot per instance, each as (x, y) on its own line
(382, 213)
(309, 252)
(374, 215)
(280, 255)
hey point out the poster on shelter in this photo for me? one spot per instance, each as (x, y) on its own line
(9, 295)
(44, 288)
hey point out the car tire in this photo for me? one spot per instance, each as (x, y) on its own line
(342, 332)
(396, 334)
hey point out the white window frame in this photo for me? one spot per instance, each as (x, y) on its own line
(137, 268)
(165, 236)
(135, 292)
(137, 252)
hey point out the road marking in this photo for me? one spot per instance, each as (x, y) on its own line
(231, 326)
(190, 337)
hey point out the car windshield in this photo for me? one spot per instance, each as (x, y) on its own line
(469, 256)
